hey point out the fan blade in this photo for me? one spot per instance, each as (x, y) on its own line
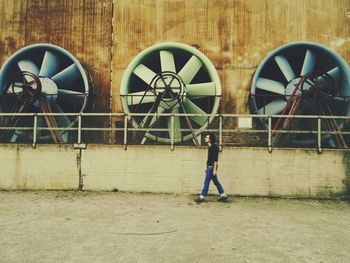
(189, 71)
(62, 121)
(338, 104)
(330, 141)
(14, 136)
(27, 65)
(192, 108)
(144, 73)
(273, 108)
(67, 77)
(155, 118)
(40, 124)
(201, 90)
(54, 122)
(167, 61)
(140, 97)
(71, 97)
(270, 85)
(285, 67)
(309, 63)
(302, 143)
(16, 87)
(339, 99)
(177, 124)
(334, 73)
(49, 66)
(40, 121)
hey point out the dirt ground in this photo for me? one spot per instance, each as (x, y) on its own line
(124, 227)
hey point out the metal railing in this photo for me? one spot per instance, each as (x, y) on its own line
(231, 129)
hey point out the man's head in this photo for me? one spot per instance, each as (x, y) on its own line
(210, 138)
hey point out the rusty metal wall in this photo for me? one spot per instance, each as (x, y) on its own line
(83, 27)
(235, 34)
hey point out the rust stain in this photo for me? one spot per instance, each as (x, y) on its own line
(83, 27)
(235, 35)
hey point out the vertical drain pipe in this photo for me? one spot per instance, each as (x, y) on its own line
(81, 181)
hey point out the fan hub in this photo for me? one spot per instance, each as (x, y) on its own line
(49, 88)
(170, 88)
(292, 86)
(314, 86)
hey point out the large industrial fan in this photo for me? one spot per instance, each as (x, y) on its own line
(42, 78)
(303, 78)
(171, 78)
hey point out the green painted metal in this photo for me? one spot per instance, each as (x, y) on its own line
(192, 79)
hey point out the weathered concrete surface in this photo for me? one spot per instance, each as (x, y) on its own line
(140, 168)
(45, 167)
(284, 172)
(119, 227)
(243, 171)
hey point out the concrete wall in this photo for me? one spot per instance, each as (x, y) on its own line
(46, 167)
(243, 171)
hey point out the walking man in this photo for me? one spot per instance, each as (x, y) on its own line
(211, 171)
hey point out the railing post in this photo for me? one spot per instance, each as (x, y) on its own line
(269, 134)
(220, 132)
(125, 132)
(35, 129)
(319, 134)
(111, 128)
(79, 129)
(172, 127)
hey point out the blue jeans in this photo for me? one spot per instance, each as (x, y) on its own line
(208, 177)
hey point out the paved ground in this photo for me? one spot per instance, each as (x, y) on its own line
(123, 227)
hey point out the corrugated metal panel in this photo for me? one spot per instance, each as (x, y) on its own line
(236, 34)
(83, 27)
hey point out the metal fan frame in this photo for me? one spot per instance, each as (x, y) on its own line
(315, 54)
(207, 64)
(11, 64)
(343, 66)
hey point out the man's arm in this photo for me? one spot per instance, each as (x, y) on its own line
(216, 158)
(215, 168)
